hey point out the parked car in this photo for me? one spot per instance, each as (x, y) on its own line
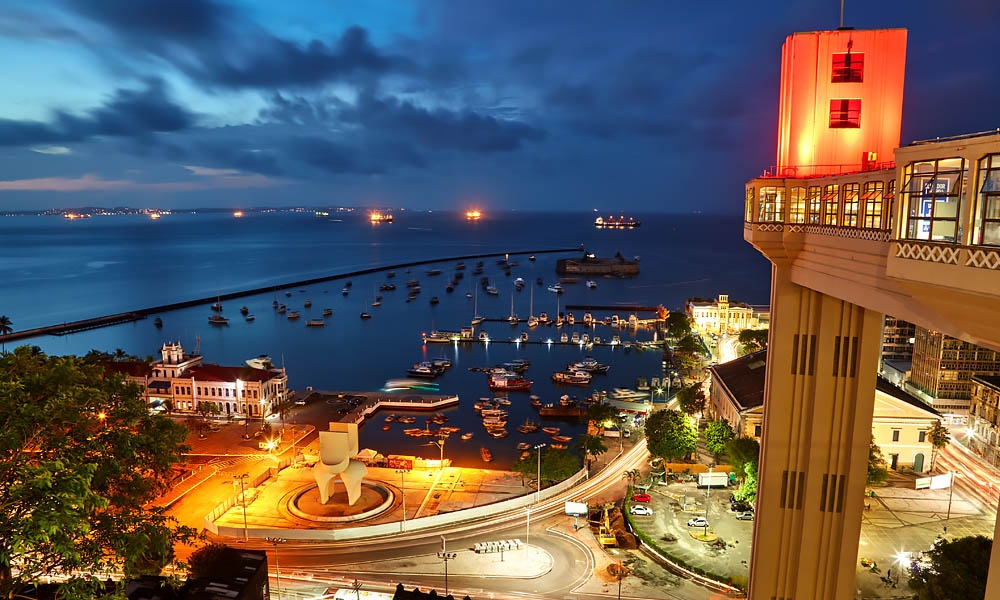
(740, 507)
(640, 498)
(698, 522)
(639, 509)
(745, 515)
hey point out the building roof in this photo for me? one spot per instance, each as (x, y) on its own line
(744, 378)
(886, 387)
(230, 374)
(415, 594)
(992, 381)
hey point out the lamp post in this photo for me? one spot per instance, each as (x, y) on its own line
(538, 482)
(274, 541)
(243, 502)
(527, 528)
(951, 492)
(708, 495)
(402, 491)
(446, 556)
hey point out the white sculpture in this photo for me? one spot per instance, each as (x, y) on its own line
(336, 447)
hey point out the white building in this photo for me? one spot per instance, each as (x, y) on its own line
(185, 382)
(722, 316)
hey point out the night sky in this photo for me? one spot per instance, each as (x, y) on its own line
(639, 106)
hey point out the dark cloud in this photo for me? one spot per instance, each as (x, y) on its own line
(129, 113)
(182, 20)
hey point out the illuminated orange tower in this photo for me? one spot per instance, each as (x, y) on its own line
(841, 100)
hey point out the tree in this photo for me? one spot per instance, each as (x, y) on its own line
(671, 435)
(691, 399)
(877, 473)
(747, 491)
(81, 457)
(678, 325)
(742, 451)
(591, 445)
(717, 434)
(283, 408)
(939, 437)
(6, 327)
(752, 340)
(556, 465)
(632, 475)
(958, 569)
(602, 413)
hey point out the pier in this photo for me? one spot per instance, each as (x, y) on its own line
(371, 402)
(142, 313)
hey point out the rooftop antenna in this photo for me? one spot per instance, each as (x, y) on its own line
(197, 345)
(841, 14)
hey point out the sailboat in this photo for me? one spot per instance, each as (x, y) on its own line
(512, 319)
(532, 320)
(559, 315)
(476, 317)
(378, 299)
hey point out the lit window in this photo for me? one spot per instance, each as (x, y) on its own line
(851, 192)
(815, 194)
(771, 204)
(848, 67)
(831, 203)
(749, 205)
(845, 113)
(988, 208)
(932, 194)
(797, 205)
(873, 204)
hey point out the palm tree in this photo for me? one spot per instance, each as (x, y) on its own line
(6, 326)
(632, 475)
(940, 437)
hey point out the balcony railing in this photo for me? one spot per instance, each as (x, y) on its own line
(807, 171)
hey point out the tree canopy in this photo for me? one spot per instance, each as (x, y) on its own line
(939, 437)
(6, 327)
(742, 451)
(671, 435)
(752, 340)
(717, 433)
(602, 413)
(80, 459)
(678, 324)
(691, 399)
(591, 445)
(877, 473)
(958, 570)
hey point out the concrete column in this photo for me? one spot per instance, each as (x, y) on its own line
(818, 401)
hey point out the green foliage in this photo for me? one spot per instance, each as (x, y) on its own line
(602, 413)
(6, 327)
(752, 340)
(591, 445)
(877, 473)
(742, 451)
(632, 476)
(958, 570)
(690, 344)
(678, 325)
(691, 399)
(556, 466)
(747, 491)
(81, 459)
(671, 435)
(939, 437)
(717, 434)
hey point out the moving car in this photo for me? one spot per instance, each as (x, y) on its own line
(639, 509)
(745, 515)
(698, 522)
(640, 498)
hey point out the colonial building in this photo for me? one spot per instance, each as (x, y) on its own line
(942, 370)
(900, 423)
(185, 382)
(984, 417)
(722, 316)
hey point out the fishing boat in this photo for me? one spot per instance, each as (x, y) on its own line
(217, 320)
(589, 365)
(281, 309)
(561, 438)
(563, 338)
(570, 319)
(158, 322)
(498, 432)
(387, 287)
(432, 272)
(365, 314)
(572, 377)
(551, 430)
(250, 318)
(525, 455)
(315, 323)
(244, 310)
(557, 446)
(486, 454)
(591, 284)
(528, 427)
(424, 370)
(327, 312)
(466, 436)
(575, 338)
(501, 382)
(524, 446)
(588, 319)
(385, 427)
(434, 300)
(556, 288)
(293, 315)
(517, 365)
(536, 401)
(502, 401)
(390, 418)
(307, 303)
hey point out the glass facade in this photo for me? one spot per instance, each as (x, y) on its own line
(797, 205)
(932, 193)
(772, 204)
(815, 203)
(987, 221)
(831, 203)
(748, 209)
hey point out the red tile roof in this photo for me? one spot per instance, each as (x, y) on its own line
(229, 374)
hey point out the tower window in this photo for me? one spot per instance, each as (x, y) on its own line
(845, 113)
(848, 67)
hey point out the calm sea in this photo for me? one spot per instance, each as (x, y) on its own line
(54, 270)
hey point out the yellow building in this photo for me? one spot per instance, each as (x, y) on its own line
(900, 422)
(722, 316)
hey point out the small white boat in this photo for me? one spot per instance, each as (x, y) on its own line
(532, 321)
(484, 337)
(556, 288)
(570, 319)
(293, 315)
(250, 318)
(591, 284)
(576, 338)
(217, 320)
(563, 338)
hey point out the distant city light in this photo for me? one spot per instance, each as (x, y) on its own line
(238, 214)
(473, 215)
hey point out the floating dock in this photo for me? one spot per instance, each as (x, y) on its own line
(372, 402)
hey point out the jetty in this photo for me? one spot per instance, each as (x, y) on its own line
(619, 266)
(142, 313)
(368, 403)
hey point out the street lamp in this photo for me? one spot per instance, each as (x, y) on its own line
(446, 556)
(708, 495)
(903, 558)
(440, 444)
(243, 501)
(402, 491)
(951, 492)
(538, 482)
(274, 541)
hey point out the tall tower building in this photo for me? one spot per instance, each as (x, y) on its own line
(942, 370)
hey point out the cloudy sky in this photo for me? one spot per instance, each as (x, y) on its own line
(569, 105)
